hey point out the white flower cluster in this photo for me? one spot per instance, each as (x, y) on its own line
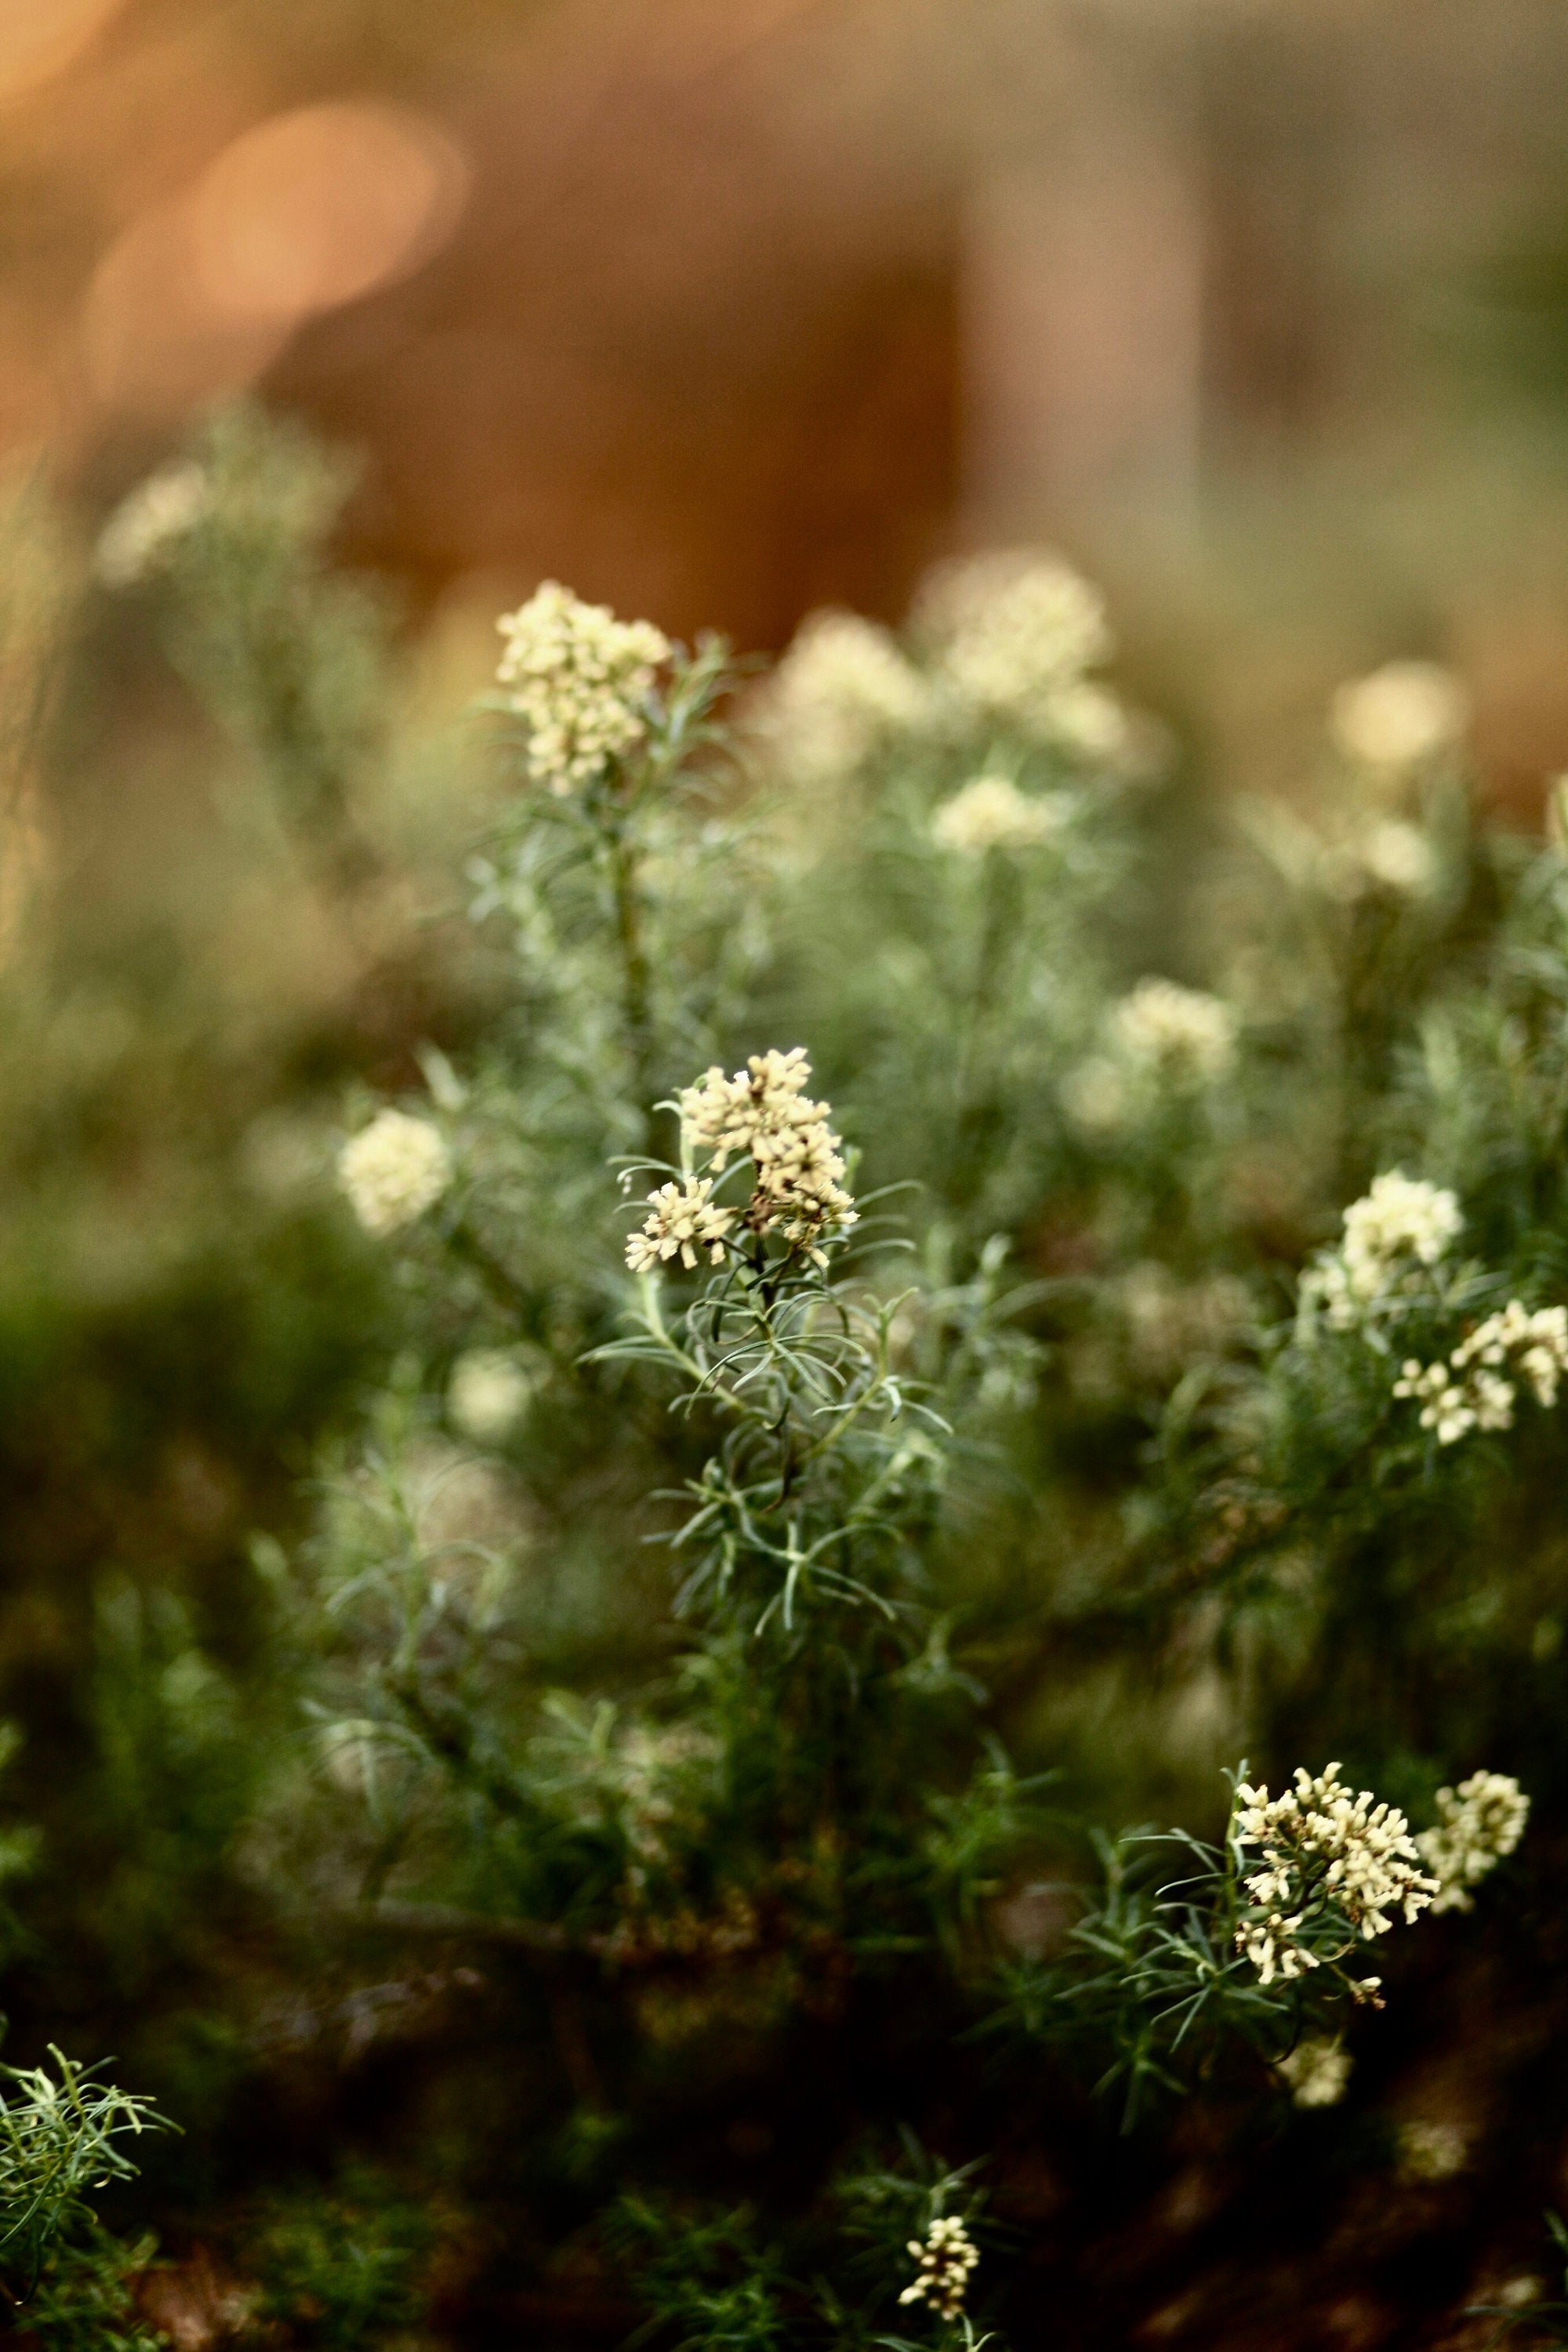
(1317, 2071)
(1477, 1824)
(393, 1169)
(1181, 1032)
(841, 691)
(140, 535)
(1161, 1037)
(581, 679)
(797, 1192)
(1326, 1860)
(1399, 717)
(1393, 1235)
(1003, 639)
(991, 812)
(1015, 632)
(764, 1111)
(946, 2258)
(683, 1219)
(1471, 1390)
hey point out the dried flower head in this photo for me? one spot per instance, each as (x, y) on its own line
(1317, 2071)
(945, 2259)
(842, 690)
(1331, 1869)
(1012, 632)
(142, 533)
(1400, 717)
(683, 1219)
(1477, 1824)
(393, 1169)
(1180, 1032)
(581, 679)
(764, 1113)
(991, 812)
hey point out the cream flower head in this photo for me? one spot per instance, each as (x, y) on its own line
(1399, 717)
(581, 679)
(393, 1171)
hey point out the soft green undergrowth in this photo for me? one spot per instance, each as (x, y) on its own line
(964, 1314)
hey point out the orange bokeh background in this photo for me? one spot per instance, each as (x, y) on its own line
(723, 308)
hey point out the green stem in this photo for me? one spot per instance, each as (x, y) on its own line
(636, 990)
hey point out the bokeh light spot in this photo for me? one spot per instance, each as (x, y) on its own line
(194, 299)
(40, 39)
(315, 207)
(150, 341)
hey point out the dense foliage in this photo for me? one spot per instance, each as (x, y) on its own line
(930, 1297)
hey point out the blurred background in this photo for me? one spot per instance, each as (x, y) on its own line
(725, 309)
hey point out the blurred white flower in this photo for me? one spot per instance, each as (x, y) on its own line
(1431, 2150)
(1393, 1235)
(488, 1394)
(1399, 856)
(1401, 1215)
(1089, 723)
(141, 534)
(1539, 1342)
(1317, 2071)
(841, 691)
(1401, 716)
(1477, 1824)
(1013, 633)
(581, 680)
(991, 812)
(393, 1169)
(1178, 1031)
(1471, 1391)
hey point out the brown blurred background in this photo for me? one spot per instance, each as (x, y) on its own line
(723, 308)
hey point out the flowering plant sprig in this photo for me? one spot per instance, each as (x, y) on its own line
(597, 863)
(824, 1457)
(1255, 1946)
(1472, 1389)
(763, 1115)
(1318, 1873)
(1392, 1257)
